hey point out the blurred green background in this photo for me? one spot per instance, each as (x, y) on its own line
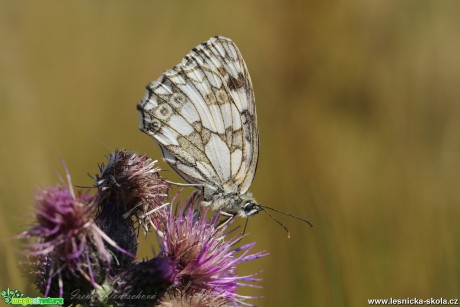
(359, 115)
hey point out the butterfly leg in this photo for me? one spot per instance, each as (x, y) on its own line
(196, 185)
(229, 216)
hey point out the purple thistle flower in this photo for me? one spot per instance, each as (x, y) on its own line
(128, 186)
(196, 265)
(131, 184)
(68, 247)
(205, 259)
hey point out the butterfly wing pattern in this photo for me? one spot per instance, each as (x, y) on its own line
(203, 115)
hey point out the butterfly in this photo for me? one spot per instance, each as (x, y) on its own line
(202, 113)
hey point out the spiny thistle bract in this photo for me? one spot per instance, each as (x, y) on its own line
(83, 246)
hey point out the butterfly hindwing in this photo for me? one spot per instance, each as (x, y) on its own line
(202, 113)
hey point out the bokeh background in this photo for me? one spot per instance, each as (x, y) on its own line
(359, 116)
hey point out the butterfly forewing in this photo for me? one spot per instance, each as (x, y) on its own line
(202, 113)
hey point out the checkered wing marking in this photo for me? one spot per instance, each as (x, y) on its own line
(202, 113)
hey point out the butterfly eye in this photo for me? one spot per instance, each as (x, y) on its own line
(251, 208)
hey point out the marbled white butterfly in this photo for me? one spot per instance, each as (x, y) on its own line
(203, 115)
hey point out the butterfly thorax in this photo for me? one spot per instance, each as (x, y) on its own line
(232, 203)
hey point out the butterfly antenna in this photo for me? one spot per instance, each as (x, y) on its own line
(288, 214)
(279, 223)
